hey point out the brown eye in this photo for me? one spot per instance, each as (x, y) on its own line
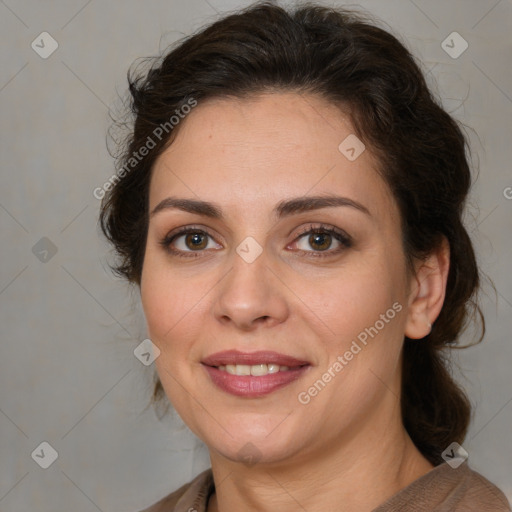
(320, 241)
(196, 241)
(189, 242)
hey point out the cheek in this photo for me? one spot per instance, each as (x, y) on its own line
(349, 300)
(167, 300)
(173, 305)
(168, 306)
(362, 307)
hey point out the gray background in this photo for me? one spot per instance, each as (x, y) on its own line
(68, 375)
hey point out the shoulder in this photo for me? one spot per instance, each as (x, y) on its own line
(481, 495)
(445, 488)
(192, 495)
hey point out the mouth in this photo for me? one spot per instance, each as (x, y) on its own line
(253, 374)
(256, 370)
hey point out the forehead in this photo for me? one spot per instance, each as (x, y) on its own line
(252, 153)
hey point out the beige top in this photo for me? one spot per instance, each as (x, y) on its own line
(442, 489)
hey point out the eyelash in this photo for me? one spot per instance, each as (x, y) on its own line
(340, 236)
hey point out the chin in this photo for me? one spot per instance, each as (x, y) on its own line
(251, 452)
(250, 442)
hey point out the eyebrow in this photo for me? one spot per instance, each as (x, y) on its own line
(284, 208)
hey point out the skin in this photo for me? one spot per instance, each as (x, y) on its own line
(347, 448)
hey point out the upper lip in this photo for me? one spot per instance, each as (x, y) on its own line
(252, 358)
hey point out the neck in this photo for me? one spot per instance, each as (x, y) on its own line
(356, 473)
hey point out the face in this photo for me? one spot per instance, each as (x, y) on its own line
(268, 279)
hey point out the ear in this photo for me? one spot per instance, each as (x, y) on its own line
(427, 292)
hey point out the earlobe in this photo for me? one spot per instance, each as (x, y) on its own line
(427, 292)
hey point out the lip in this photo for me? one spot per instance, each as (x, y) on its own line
(250, 386)
(250, 358)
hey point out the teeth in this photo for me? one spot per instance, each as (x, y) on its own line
(259, 369)
(256, 370)
(238, 369)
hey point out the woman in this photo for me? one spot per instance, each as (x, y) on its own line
(289, 204)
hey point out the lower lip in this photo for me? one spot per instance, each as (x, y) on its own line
(250, 386)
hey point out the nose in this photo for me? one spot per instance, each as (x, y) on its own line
(251, 294)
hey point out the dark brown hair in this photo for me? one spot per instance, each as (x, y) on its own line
(341, 56)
